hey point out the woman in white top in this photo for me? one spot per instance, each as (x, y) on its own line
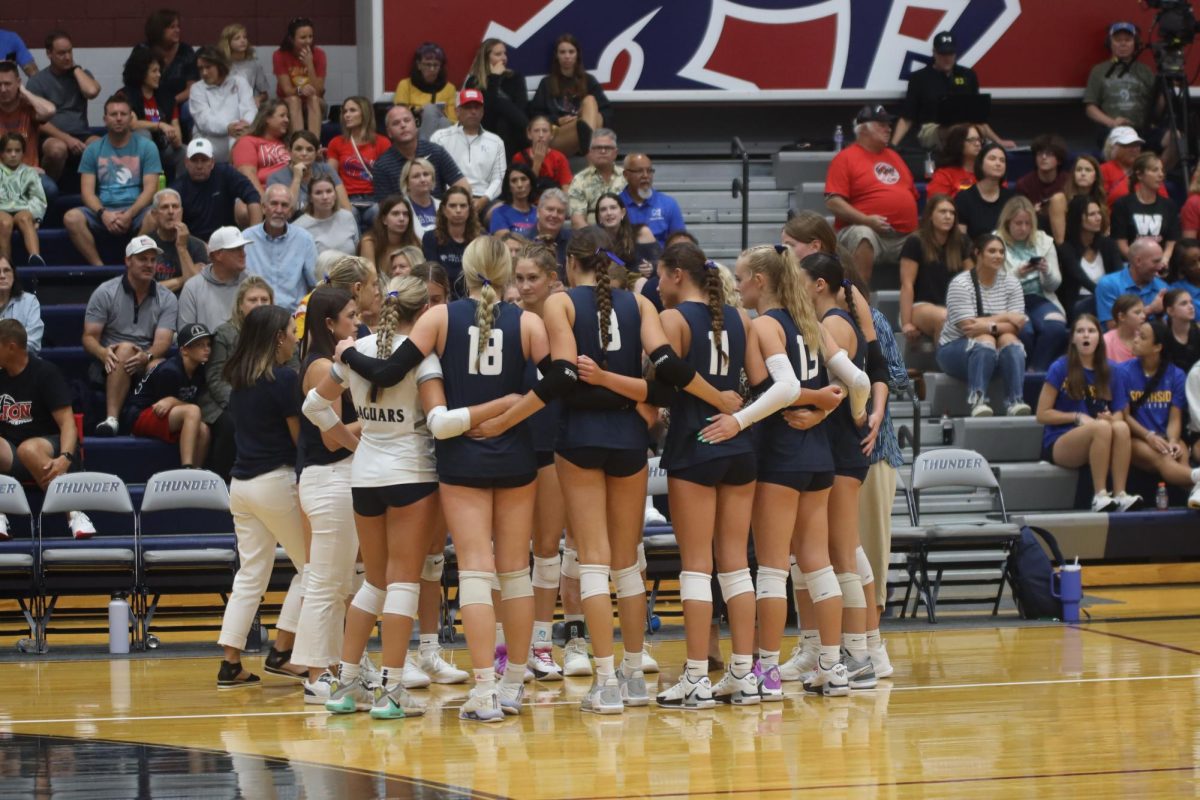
(222, 104)
(1031, 258)
(416, 182)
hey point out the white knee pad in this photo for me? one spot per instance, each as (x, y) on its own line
(852, 591)
(546, 572)
(474, 588)
(433, 568)
(823, 584)
(797, 578)
(593, 580)
(360, 576)
(864, 566)
(570, 563)
(772, 583)
(695, 586)
(735, 583)
(641, 560)
(495, 582)
(370, 599)
(629, 581)
(402, 599)
(516, 584)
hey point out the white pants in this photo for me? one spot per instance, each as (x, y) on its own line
(265, 511)
(325, 499)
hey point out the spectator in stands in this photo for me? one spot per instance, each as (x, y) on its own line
(252, 292)
(1087, 255)
(956, 165)
(478, 153)
(154, 111)
(209, 298)
(1193, 396)
(223, 105)
(505, 96)
(332, 228)
(353, 155)
(69, 87)
(571, 99)
(1182, 347)
(12, 48)
(1143, 212)
(38, 425)
(1084, 180)
(22, 199)
(263, 150)
(808, 232)
(130, 322)
(407, 145)
(302, 168)
(1140, 277)
(163, 406)
(552, 214)
(871, 194)
(979, 206)
(299, 67)
(1121, 151)
(657, 211)
(456, 228)
(416, 184)
(1076, 408)
(1031, 258)
(637, 247)
(516, 210)
(426, 91)
(215, 195)
(24, 113)
(929, 259)
(20, 305)
(944, 77)
(403, 260)
(181, 255)
(551, 167)
(985, 311)
(179, 59)
(1120, 90)
(1184, 271)
(1048, 176)
(393, 228)
(599, 177)
(1129, 313)
(235, 44)
(285, 255)
(118, 176)
(1153, 399)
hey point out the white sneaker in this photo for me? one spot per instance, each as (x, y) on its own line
(4, 535)
(439, 669)
(482, 705)
(413, 677)
(1127, 502)
(736, 691)
(1103, 502)
(1194, 497)
(981, 409)
(81, 527)
(370, 674)
(831, 682)
(687, 695)
(880, 660)
(802, 661)
(1019, 409)
(316, 693)
(653, 516)
(603, 698)
(511, 695)
(541, 664)
(107, 427)
(649, 665)
(576, 663)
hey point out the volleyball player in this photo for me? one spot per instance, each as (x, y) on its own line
(265, 404)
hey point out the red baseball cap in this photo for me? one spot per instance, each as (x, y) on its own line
(470, 96)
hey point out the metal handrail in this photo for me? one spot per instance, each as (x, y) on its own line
(741, 186)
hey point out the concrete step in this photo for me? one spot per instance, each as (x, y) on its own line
(946, 393)
(998, 439)
(772, 199)
(709, 169)
(734, 217)
(714, 236)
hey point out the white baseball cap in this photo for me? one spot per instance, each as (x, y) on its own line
(1124, 135)
(227, 238)
(140, 244)
(200, 147)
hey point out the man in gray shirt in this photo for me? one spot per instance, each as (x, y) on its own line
(208, 297)
(70, 87)
(129, 323)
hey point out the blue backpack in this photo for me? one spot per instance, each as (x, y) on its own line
(1029, 571)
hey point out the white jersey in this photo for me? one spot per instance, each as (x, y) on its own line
(396, 445)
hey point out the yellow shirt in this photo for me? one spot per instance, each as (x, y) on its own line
(409, 95)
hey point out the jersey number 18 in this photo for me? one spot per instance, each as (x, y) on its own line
(491, 360)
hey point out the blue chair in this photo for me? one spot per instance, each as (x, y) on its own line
(18, 567)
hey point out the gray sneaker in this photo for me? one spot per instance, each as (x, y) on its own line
(511, 695)
(482, 705)
(396, 703)
(603, 698)
(346, 698)
(633, 688)
(859, 674)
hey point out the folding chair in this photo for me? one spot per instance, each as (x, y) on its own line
(965, 547)
(18, 567)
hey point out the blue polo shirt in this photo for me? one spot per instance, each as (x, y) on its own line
(660, 214)
(1115, 284)
(1190, 288)
(287, 262)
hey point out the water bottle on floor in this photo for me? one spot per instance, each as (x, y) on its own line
(1161, 501)
(118, 624)
(1070, 589)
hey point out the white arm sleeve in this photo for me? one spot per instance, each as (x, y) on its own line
(319, 411)
(858, 385)
(1192, 390)
(446, 424)
(783, 392)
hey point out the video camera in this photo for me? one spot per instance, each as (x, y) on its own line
(1177, 26)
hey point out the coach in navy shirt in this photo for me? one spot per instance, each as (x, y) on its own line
(209, 192)
(406, 144)
(644, 206)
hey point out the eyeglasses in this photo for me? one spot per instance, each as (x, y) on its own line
(603, 148)
(642, 171)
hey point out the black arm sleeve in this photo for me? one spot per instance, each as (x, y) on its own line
(877, 366)
(659, 393)
(671, 368)
(559, 378)
(385, 372)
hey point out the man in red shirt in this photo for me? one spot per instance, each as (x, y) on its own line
(871, 194)
(24, 113)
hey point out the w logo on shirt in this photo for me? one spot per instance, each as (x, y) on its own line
(1148, 224)
(886, 173)
(15, 412)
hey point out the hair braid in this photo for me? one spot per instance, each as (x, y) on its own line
(716, 310)
(604, 307)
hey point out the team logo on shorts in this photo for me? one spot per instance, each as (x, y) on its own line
(886, 173)
(15, 412)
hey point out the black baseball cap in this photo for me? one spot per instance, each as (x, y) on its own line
(192, 333)
(943, 44)
(873, 114)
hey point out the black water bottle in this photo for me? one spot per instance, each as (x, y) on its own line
(947, 428)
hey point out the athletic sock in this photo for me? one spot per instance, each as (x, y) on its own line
(768, 658)
(429, 641)
(349, 672)
(604, 667)
(541, 633)
(485, 678)
(631, 662)
(811, 640)
(391, 676)
(740, 665)
(514, 674)
(874, 640)
(696, 669)
(855, 644)
(830, 655)
(499, 634)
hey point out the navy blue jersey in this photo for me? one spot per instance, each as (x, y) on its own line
(311, 449)
(845, 438)
(690, 414)
(473, 378)
(261, 434)
(613, 430)
(782, 448)
(545, 423)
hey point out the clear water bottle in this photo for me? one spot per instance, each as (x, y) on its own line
(118, 624)
(930, 166)
(947, 428)
(1161, 501)
(839, 139)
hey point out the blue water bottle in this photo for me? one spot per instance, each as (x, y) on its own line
(1069, 582)
(839, 139)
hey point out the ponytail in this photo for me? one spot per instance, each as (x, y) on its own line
(705, 275)
(486, 264)
(591, 247)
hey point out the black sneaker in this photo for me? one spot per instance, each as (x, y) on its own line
(229, 676)
(276, 661)
(35, 260)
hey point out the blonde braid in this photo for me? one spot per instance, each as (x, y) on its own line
(488, 264)
(485, 313)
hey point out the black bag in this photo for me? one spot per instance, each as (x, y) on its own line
(1029, 570)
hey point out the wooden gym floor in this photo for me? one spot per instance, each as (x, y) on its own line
(1107, 708)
